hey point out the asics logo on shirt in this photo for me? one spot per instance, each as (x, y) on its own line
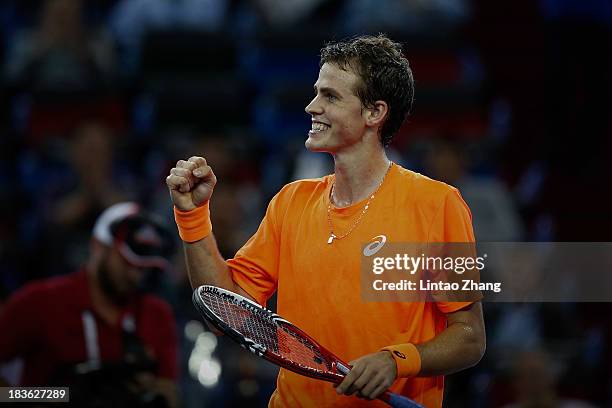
(377, 243)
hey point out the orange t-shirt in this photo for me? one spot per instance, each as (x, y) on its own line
(319, 283)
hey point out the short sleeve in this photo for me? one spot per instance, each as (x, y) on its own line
(19, 324)
(452, 223)
(255, 266)
(453, 220)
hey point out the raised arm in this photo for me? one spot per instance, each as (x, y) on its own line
(191, 185)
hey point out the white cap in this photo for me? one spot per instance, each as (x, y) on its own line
(116, 212)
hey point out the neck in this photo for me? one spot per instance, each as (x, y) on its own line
(358, 176)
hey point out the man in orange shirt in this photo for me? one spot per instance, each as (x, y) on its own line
(309, 244)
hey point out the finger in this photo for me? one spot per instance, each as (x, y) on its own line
(178, 183)
(202, 172)
(186, 173)
(368, 389)
(202, 168)
(378, 391)
(186, 164)
(180, 171)
(363, 380)
(174, 182)
(385, 384)
(199, 161)
(348, 380)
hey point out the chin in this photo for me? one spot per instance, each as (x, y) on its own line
(310, 145)
(316, 145)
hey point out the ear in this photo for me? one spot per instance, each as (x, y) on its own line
(377, 114)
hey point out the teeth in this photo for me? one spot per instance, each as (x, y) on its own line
(319, 127)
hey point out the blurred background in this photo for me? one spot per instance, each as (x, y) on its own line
(100, 98)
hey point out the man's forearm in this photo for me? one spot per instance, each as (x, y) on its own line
(461, 345)
(206, 266)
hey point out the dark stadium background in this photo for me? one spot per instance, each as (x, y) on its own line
(512, 106)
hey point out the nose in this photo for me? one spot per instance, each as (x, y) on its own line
(314, 108)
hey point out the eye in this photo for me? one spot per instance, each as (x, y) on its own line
(331, 98)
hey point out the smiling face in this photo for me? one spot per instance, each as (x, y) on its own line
(338, 120)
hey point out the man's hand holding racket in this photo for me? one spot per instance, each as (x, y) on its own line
(191, 183)
(370, 376)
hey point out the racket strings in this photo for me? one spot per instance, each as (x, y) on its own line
(243, 320)
(261, 329)
(301, 350)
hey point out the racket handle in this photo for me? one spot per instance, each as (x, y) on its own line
(395, 400)
(399, 401)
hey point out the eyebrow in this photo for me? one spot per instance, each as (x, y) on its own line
(328, 90)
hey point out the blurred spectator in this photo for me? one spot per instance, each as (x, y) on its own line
(404, 16)
(286, 13)
(132, 20)
(62, 53)
(96, 330)
(92, 182)
(91, 156)
(250, 382)
(576, 116)
(577, 10)
(535, 379)
(495, 216)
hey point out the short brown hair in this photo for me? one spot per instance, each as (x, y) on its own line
(385, 75)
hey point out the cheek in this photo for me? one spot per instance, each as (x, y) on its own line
(114, 273)
(117, 268)
(343, 117)
(351, 123)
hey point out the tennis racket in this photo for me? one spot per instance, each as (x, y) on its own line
(268, 335)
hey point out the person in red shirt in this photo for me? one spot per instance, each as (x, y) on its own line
(96, 324)
(308, 246)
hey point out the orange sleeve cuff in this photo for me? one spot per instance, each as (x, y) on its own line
(407, 359)
(193, 225)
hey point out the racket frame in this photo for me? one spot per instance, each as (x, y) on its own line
(337, 368)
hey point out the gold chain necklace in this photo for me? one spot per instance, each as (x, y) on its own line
(332, 235)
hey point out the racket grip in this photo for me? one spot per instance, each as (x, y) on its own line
(399, 401)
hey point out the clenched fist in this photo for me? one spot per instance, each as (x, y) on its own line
(191, 183)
